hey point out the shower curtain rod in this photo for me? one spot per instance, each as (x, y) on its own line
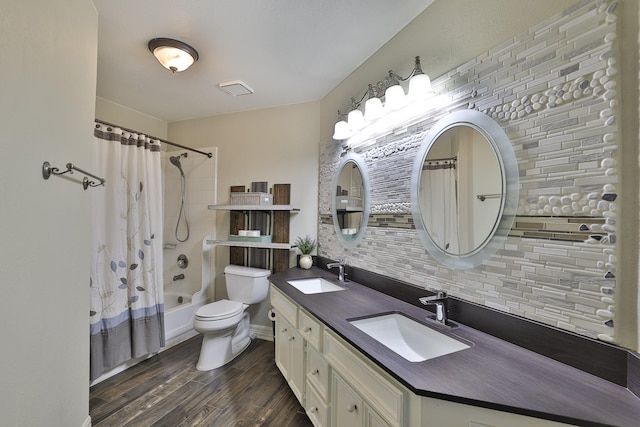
(442, 160)
(209, 155)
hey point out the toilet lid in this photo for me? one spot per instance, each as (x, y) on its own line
(219, 310)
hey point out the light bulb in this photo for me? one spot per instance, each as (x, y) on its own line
(419, 87)
(394, 98)
(373, 109)
(341, 130)
(355, 119)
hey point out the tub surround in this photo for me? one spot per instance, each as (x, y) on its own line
(493, 373)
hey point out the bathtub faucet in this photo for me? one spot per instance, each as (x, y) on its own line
(178, 277)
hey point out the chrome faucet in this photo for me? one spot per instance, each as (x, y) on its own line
(439, 300)
(340, 265)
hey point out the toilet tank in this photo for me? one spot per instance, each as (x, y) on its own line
(249, 285)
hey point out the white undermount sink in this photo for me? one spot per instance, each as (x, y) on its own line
(410, 339)
(315, 285)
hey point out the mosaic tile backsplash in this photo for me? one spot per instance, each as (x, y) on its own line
(553, 91)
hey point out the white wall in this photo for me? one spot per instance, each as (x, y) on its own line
(48, 62)
(131, 119)
(277, 145)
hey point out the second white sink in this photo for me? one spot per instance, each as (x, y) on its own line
(408, 338)
(315, 285)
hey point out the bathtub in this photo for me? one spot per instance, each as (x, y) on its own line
(179, 309)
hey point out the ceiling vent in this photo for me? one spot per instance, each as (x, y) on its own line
(236, 88)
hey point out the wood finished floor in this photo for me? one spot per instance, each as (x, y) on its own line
(168, 390)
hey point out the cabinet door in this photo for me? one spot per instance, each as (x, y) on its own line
(373, 420)
(347, 405)
(283, 355)
(290, 356)
(296, 364)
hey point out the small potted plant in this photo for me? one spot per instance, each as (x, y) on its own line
(306, 245)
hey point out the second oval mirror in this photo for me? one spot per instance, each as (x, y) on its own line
(464, 188)
(351, 200)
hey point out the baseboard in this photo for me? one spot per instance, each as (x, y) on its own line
(87, 422)
(261, 332)
(178, 339)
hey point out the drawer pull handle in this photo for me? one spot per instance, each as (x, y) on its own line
(313, 410)
(352, 408)
(284, 330)
(307, 329)
(292, 338)
(315, 372)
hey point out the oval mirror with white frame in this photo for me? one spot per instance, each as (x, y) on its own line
(464, 189)
(351, 200)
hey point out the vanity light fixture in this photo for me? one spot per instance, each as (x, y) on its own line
(174, 55)
(394, 99)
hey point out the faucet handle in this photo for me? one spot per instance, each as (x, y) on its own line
(341, 260)
(439, 293)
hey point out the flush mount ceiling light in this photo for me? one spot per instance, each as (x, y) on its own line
(236, 88)
(174, 55)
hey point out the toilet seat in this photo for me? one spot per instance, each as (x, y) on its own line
(219, 310)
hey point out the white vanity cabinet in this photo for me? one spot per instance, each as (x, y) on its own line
(340, 387)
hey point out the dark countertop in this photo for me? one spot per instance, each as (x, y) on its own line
(492, 373)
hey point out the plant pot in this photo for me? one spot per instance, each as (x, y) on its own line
(305, 262)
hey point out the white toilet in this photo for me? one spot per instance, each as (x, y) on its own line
(225, 323)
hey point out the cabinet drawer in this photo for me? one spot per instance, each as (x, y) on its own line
(317, 409)
(318, 372)
(388, 399)
(310, 329)
(284, 306)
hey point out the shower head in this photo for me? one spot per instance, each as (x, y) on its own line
(175, 161)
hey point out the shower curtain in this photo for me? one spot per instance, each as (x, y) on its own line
(440, 193)
(127, 310)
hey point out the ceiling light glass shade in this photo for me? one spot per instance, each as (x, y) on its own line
(394, 98)
(419, 87)
(341, 130)
(174, 55)
(373, 109)
(355, 119)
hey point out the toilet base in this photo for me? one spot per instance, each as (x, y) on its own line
(220, 348)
